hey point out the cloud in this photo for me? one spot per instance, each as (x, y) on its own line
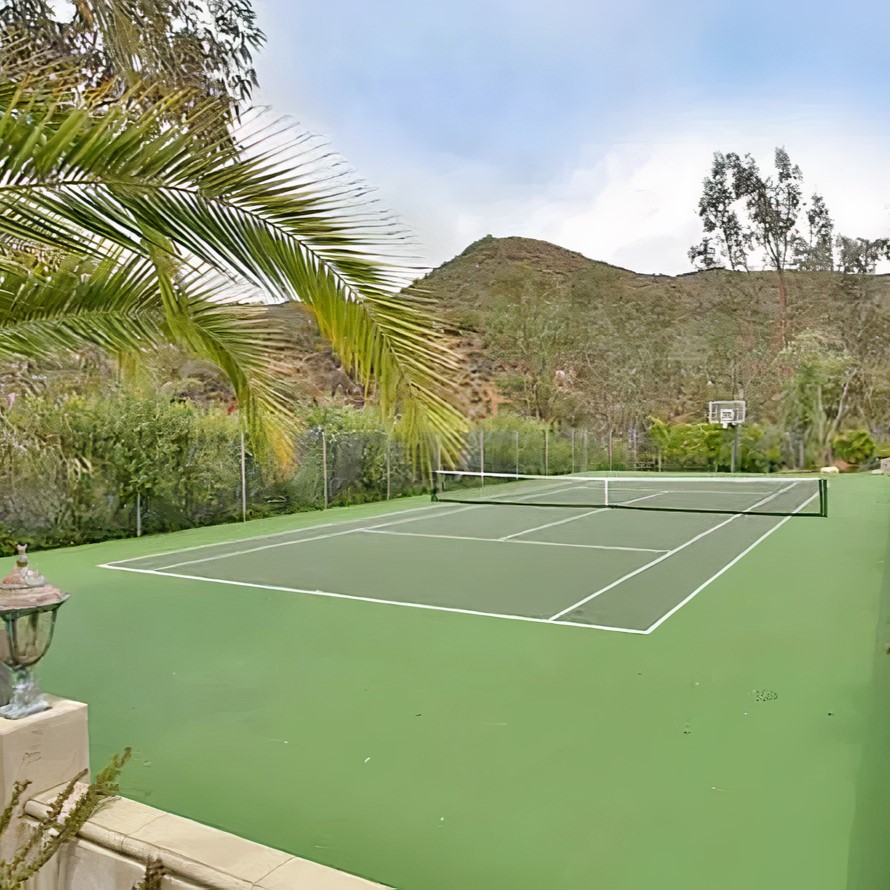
(588, 126)
(633, 202)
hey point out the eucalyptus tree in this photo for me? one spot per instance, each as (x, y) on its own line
(860, 256)
(119, 228)
(727, 241)
(743, 209)
(815, 251)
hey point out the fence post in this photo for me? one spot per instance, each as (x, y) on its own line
(324, 467)
(573, 449)
(138, 515)
(517, 452)
(388, 472)
(482, 457)
(546, 451)
(610, 449)
(243, 480)
(735, 449)
(586, 452)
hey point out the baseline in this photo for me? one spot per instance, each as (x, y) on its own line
(383, 602)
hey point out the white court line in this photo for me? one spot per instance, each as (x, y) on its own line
(553, 620)
(723, 493)
(728, 566)
(508, 541)
(290, 531)
(665, 556)
(369, 599)
(347, 531)
(538, 528)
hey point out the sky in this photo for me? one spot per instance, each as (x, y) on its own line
(587, 124)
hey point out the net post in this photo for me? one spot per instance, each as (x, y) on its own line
(823, 499)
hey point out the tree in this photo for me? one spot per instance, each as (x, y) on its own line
(529, 336)
(732, 240)
(818, 390)
(204, 46)
(772, 206)
(859, 256)
(121, 230)
(815, 253)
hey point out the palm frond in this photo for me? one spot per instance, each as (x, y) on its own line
(278, 213)
(117, 304)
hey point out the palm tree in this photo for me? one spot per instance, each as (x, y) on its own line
(120, 228)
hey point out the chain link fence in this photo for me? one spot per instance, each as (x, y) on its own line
(49, 499)
(195, 476)
(549, 452)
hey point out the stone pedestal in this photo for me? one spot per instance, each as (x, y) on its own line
(47, 749)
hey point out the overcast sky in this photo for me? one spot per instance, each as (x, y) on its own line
(588, 124)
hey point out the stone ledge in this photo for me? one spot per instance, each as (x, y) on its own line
(199, 854)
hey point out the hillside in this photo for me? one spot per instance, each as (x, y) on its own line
(550, 334)
(570, 339)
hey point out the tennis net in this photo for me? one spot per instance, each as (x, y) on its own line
(763, 495)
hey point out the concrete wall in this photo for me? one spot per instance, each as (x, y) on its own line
(113, 847)
(111, 851)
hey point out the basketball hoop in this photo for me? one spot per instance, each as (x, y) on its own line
(727, 414)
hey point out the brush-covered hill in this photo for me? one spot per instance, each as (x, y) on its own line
(560, 336)
(548, 333)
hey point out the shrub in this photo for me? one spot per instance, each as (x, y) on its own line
(853, 446)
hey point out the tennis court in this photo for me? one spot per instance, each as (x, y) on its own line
(550, 550)
(428, 749)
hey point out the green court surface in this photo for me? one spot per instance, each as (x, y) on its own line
(488, 696)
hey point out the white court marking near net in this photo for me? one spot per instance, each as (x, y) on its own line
(443, 510)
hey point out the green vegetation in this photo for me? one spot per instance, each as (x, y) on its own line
(75, 469)
(704, 446)
(853, 446)
(571, 342)
(67, 814)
